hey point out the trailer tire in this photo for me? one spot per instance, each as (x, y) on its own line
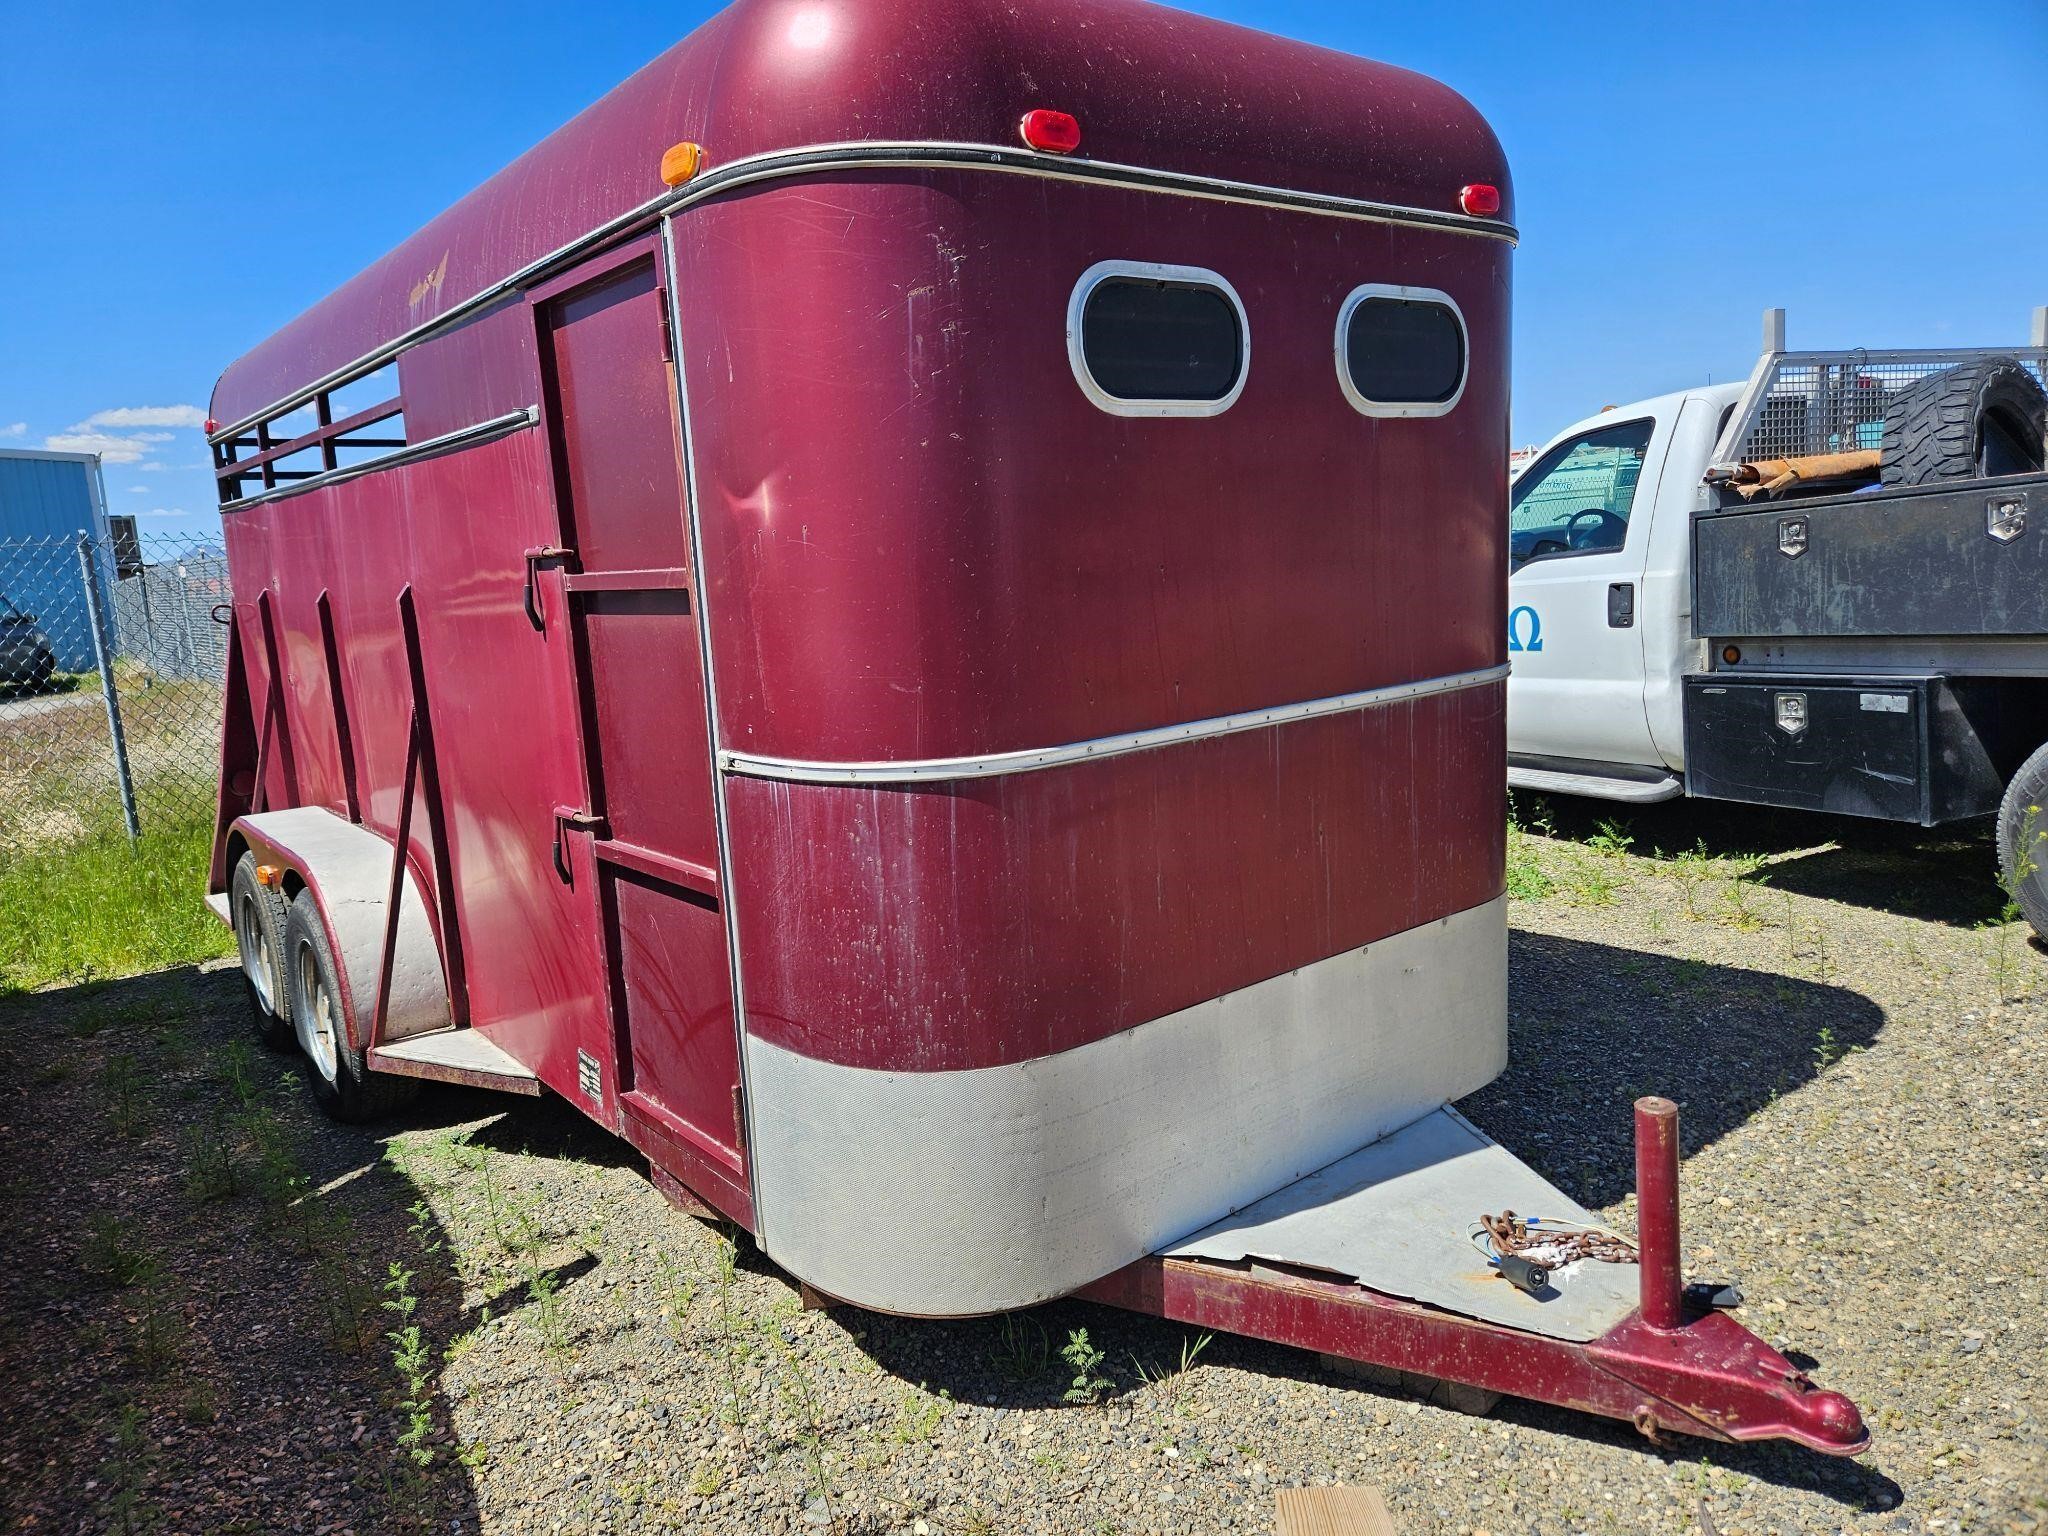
(1936, 429)
(340, 1072)
(2023, 840)
(256, 912)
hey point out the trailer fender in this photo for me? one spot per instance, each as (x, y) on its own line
(348, 869)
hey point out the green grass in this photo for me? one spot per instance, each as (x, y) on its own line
(98, 906)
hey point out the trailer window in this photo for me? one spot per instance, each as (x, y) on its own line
(1576, 499)
(1401, 351)
(1152, 340)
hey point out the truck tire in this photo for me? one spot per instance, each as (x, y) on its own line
(256, 912)
(2023, 840)
(342, 1080)
(1984, 418)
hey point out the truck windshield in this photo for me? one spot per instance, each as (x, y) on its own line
(1575, 500)
(7, 609)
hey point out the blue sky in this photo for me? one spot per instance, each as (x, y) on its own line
(173, 187)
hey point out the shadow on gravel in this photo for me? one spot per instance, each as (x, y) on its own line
(1592, 1028)
(1937, 874)
(196, 1336)
(548, 1127)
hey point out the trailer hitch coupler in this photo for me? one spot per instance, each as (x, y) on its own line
(1662, 1303)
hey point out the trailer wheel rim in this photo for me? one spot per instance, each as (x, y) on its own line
(256, 958)
(313, 1019)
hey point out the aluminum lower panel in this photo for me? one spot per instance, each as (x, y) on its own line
(960, 1192)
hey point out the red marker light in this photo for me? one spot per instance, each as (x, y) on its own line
(1479, 200)
(211, 427)
(1057, 133)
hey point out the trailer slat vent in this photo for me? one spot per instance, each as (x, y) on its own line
(354, 423)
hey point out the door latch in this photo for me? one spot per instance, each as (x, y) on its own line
(1621, 605)
(549, 554)
(570, 818)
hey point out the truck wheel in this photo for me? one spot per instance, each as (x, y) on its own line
(2023, 840)
(258, 912)
(1983, 418)
(342, 1080)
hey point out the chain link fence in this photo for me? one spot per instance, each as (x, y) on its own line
(112, 657)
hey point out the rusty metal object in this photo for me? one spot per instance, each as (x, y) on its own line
(1556, 1245)
(1769, 476)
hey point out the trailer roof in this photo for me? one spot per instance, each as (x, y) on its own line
(1152, 87)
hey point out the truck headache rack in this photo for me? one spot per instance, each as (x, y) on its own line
(1804, 403)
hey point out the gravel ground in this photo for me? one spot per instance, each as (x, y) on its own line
(193, 1336)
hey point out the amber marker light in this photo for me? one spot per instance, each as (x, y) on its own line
(267, 874)
(680, 162)
(1731, 654)
(1056, 133)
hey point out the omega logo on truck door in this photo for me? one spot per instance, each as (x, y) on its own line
(1525, 629)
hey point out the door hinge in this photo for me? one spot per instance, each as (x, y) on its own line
(569, 818)
(668, 338)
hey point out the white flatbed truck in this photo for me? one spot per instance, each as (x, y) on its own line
(1866, 635)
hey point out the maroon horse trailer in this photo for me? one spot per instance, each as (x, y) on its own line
(906, 613)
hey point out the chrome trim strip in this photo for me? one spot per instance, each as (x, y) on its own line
(879, 156)
(941, 769)
(461, 437)
(1158, 272)
(728, 904)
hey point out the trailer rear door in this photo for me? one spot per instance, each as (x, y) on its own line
(646, 840)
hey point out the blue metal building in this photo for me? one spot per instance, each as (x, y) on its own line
(46, 500)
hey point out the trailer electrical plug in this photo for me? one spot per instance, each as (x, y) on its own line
(1524, 1274)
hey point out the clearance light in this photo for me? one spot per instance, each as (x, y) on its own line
(1057, 133)
(210, 427)
(267, 874)
(680, 162)
(1731, 654)
(1479, 199)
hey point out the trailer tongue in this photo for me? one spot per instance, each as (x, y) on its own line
(1370, 1260)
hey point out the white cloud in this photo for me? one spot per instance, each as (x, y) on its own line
(146, 416)
(153, 467)
(111, 447)
(138, 490)
(163, 512)
(14, 429)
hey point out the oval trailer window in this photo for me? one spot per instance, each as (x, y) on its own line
(1150, 340)
(1401, 351)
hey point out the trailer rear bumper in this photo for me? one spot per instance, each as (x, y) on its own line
(1663, 1366)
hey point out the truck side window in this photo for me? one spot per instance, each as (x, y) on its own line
(1152, 340)
(1400, 351)
(1575, 500)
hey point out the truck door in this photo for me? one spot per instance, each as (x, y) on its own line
(645, 842)
(1578, 533)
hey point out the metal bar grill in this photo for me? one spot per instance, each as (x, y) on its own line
(1801, 403)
